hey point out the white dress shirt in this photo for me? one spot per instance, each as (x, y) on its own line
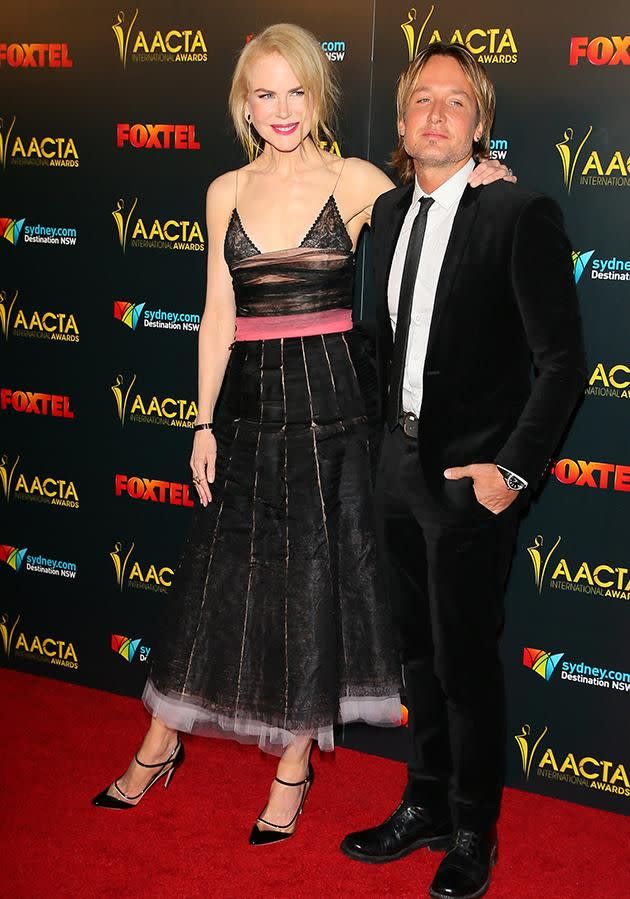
(440, 220)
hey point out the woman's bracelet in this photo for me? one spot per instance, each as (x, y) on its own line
(206, 426)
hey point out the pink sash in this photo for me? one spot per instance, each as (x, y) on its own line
(272, 327)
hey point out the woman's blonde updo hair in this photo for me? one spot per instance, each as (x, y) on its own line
(304, 54)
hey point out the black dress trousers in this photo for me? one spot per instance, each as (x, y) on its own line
(446, 559)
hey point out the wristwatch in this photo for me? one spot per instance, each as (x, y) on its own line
(512, 481)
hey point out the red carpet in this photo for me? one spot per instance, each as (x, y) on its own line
(61, 744)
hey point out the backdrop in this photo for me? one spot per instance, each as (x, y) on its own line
(112, 123)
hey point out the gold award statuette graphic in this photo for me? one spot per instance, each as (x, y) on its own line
(528, 750)
(569, 158)
(122, 36)
(122, 396)
(6, 308)
(6, 476)
(4, 141)
(409, 30)
(121, 220)
(540, 563)
(120, 562)
(6, 634)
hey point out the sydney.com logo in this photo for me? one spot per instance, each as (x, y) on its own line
(545, 664)
(134, 314)
(612, 269)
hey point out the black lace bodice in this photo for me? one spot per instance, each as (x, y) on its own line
(313, 277)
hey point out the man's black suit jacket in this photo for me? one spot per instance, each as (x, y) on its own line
(506, 296)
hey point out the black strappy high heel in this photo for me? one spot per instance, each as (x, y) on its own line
(167, 768)
(266, 837)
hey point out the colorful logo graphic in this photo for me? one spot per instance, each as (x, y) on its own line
(157, 137)
(540, 563)
(11, 229)
(580, 261)
(185, 45)
(35, 56)
(489, 45)
(528, 745)
(7, 630)
(12, 556)
(610, 381)
(128, 313)
(152, 490)
(6, 308)
(600, 51)
(597, 475)
(127, 648)
(542, 662)
(154, 577)
(57, 405)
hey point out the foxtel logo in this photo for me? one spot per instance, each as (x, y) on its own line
(35, 56)
(151, 490)
(157, 137)
(57, 405)
(598, 475)
(600, 51)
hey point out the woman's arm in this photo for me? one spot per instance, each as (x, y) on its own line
(216, 332)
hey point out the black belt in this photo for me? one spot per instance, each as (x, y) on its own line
(408, 421)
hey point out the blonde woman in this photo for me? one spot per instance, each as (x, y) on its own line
(277, 629)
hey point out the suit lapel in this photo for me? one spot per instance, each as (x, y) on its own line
(460, 233)
(396, 219)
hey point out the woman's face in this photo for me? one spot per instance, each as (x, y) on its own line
(277, 103)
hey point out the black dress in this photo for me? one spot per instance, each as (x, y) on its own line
(276, 627)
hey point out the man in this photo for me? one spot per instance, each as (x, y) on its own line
(472, 285)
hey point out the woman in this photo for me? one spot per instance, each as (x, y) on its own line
(277, 629)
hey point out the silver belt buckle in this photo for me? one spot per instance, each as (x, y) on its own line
(409, 423)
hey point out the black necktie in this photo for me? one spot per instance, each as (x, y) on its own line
(405, 302)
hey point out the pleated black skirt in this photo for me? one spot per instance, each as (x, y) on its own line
(277, 626)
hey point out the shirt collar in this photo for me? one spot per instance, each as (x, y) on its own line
(451, 191)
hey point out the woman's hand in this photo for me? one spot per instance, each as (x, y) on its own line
(202, 463)
(490, 170)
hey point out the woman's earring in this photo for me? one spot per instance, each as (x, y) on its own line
(252, 148)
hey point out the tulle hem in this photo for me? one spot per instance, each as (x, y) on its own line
(188, 716)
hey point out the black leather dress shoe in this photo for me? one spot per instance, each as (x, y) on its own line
(409, 827)
(465, 870)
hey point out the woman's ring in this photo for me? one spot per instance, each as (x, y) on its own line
(196, 480)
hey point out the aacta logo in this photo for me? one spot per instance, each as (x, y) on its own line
(12, 556)
(161, 234)
(595, 579)
(57, 405)
(597, 475)
(10, 229)
(35, 56)
(35, 488)
(40, 324)
(600, 51)
(169, 46)
(581, 771)
(167, 411)
(610, 380)
(541, 662)
(56, 152)
(126, 648)
(489, 45)
(138, 576)
(151, 490)
(36, 649)
(157, 137)
(605, 169)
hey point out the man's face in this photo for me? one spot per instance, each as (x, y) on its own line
(441, 119)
